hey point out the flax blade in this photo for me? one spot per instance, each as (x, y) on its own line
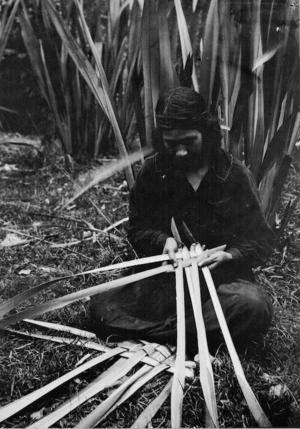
(151, 66)
(251, 400)
(7, 23)
(104, 381)
(101, 93)
(206, 372)
(75, 296)
(14, 407)
(210, 52)
(70, 341)
(179, 376)
(111, 109)
(167, 77)
(185, 41)
(103, 174)
(95, 417)
(122, 393)
(57, 327)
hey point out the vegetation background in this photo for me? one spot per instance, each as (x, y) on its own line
(80, 79)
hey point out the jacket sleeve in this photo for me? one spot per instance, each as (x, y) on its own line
(146, 236)
(253, 240)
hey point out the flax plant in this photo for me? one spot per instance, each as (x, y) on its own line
(249, 76)
(7, 16)
(244, 49)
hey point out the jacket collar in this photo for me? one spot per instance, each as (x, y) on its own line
(221, 165)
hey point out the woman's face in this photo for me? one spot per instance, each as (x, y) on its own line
(185, 148)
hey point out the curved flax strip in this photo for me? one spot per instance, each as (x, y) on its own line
(206, 372)
(179, 374)
(190, 365)
(251, 400)
(14, 407)
(12, 303)
(62, 328)
(76, 296)
(128, 388)
(104, 381)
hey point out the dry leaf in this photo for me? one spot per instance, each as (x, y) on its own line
(25, 272)
(279, 390)
(48, 269)
(8, 167)
(12, 240)
(272, 379)
(38, 414)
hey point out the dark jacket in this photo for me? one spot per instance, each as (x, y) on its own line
(224, 210)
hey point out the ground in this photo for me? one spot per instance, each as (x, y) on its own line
(35, 238)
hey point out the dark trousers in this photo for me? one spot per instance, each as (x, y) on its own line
(147, 310)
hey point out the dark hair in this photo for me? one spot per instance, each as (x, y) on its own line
(184, 108)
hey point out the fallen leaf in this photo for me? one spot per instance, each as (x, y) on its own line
(38, 414)
(48, 269)
(279, 390)
(272, 379)
(12, 240)
(8, 167)
(25, 272)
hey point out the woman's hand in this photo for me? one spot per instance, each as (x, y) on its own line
(170, 249)
(216, 259)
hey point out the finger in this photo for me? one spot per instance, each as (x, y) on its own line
(209, 260)
(172, 257)
(213, 266)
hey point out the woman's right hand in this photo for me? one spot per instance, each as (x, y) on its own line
(171, 247)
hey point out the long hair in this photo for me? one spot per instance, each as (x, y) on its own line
(183, 108)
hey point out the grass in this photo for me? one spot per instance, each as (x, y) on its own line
(27, 203)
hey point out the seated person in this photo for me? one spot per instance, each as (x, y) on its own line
(193, 180)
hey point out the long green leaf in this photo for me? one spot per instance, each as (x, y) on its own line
(185, 41)
(252, 402)
(33, 49)
(14, 302)
(62, 328)
(179, 375)
(16, 406)
(108, 100)
(75, 296)
(127, 389)
(167, 74)
(210, 52)
(103, 174)
(278, 183)
(101, 93)
(104, 408)
(7, 23)
(60, 123)
(151, 67)
(275, 147)
(206, 373)
(105, 380)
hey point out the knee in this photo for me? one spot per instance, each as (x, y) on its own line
(251, 302)
(255, 299)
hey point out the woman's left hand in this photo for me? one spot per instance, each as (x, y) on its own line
(216, 259)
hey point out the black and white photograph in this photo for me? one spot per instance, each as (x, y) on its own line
(149, 214)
